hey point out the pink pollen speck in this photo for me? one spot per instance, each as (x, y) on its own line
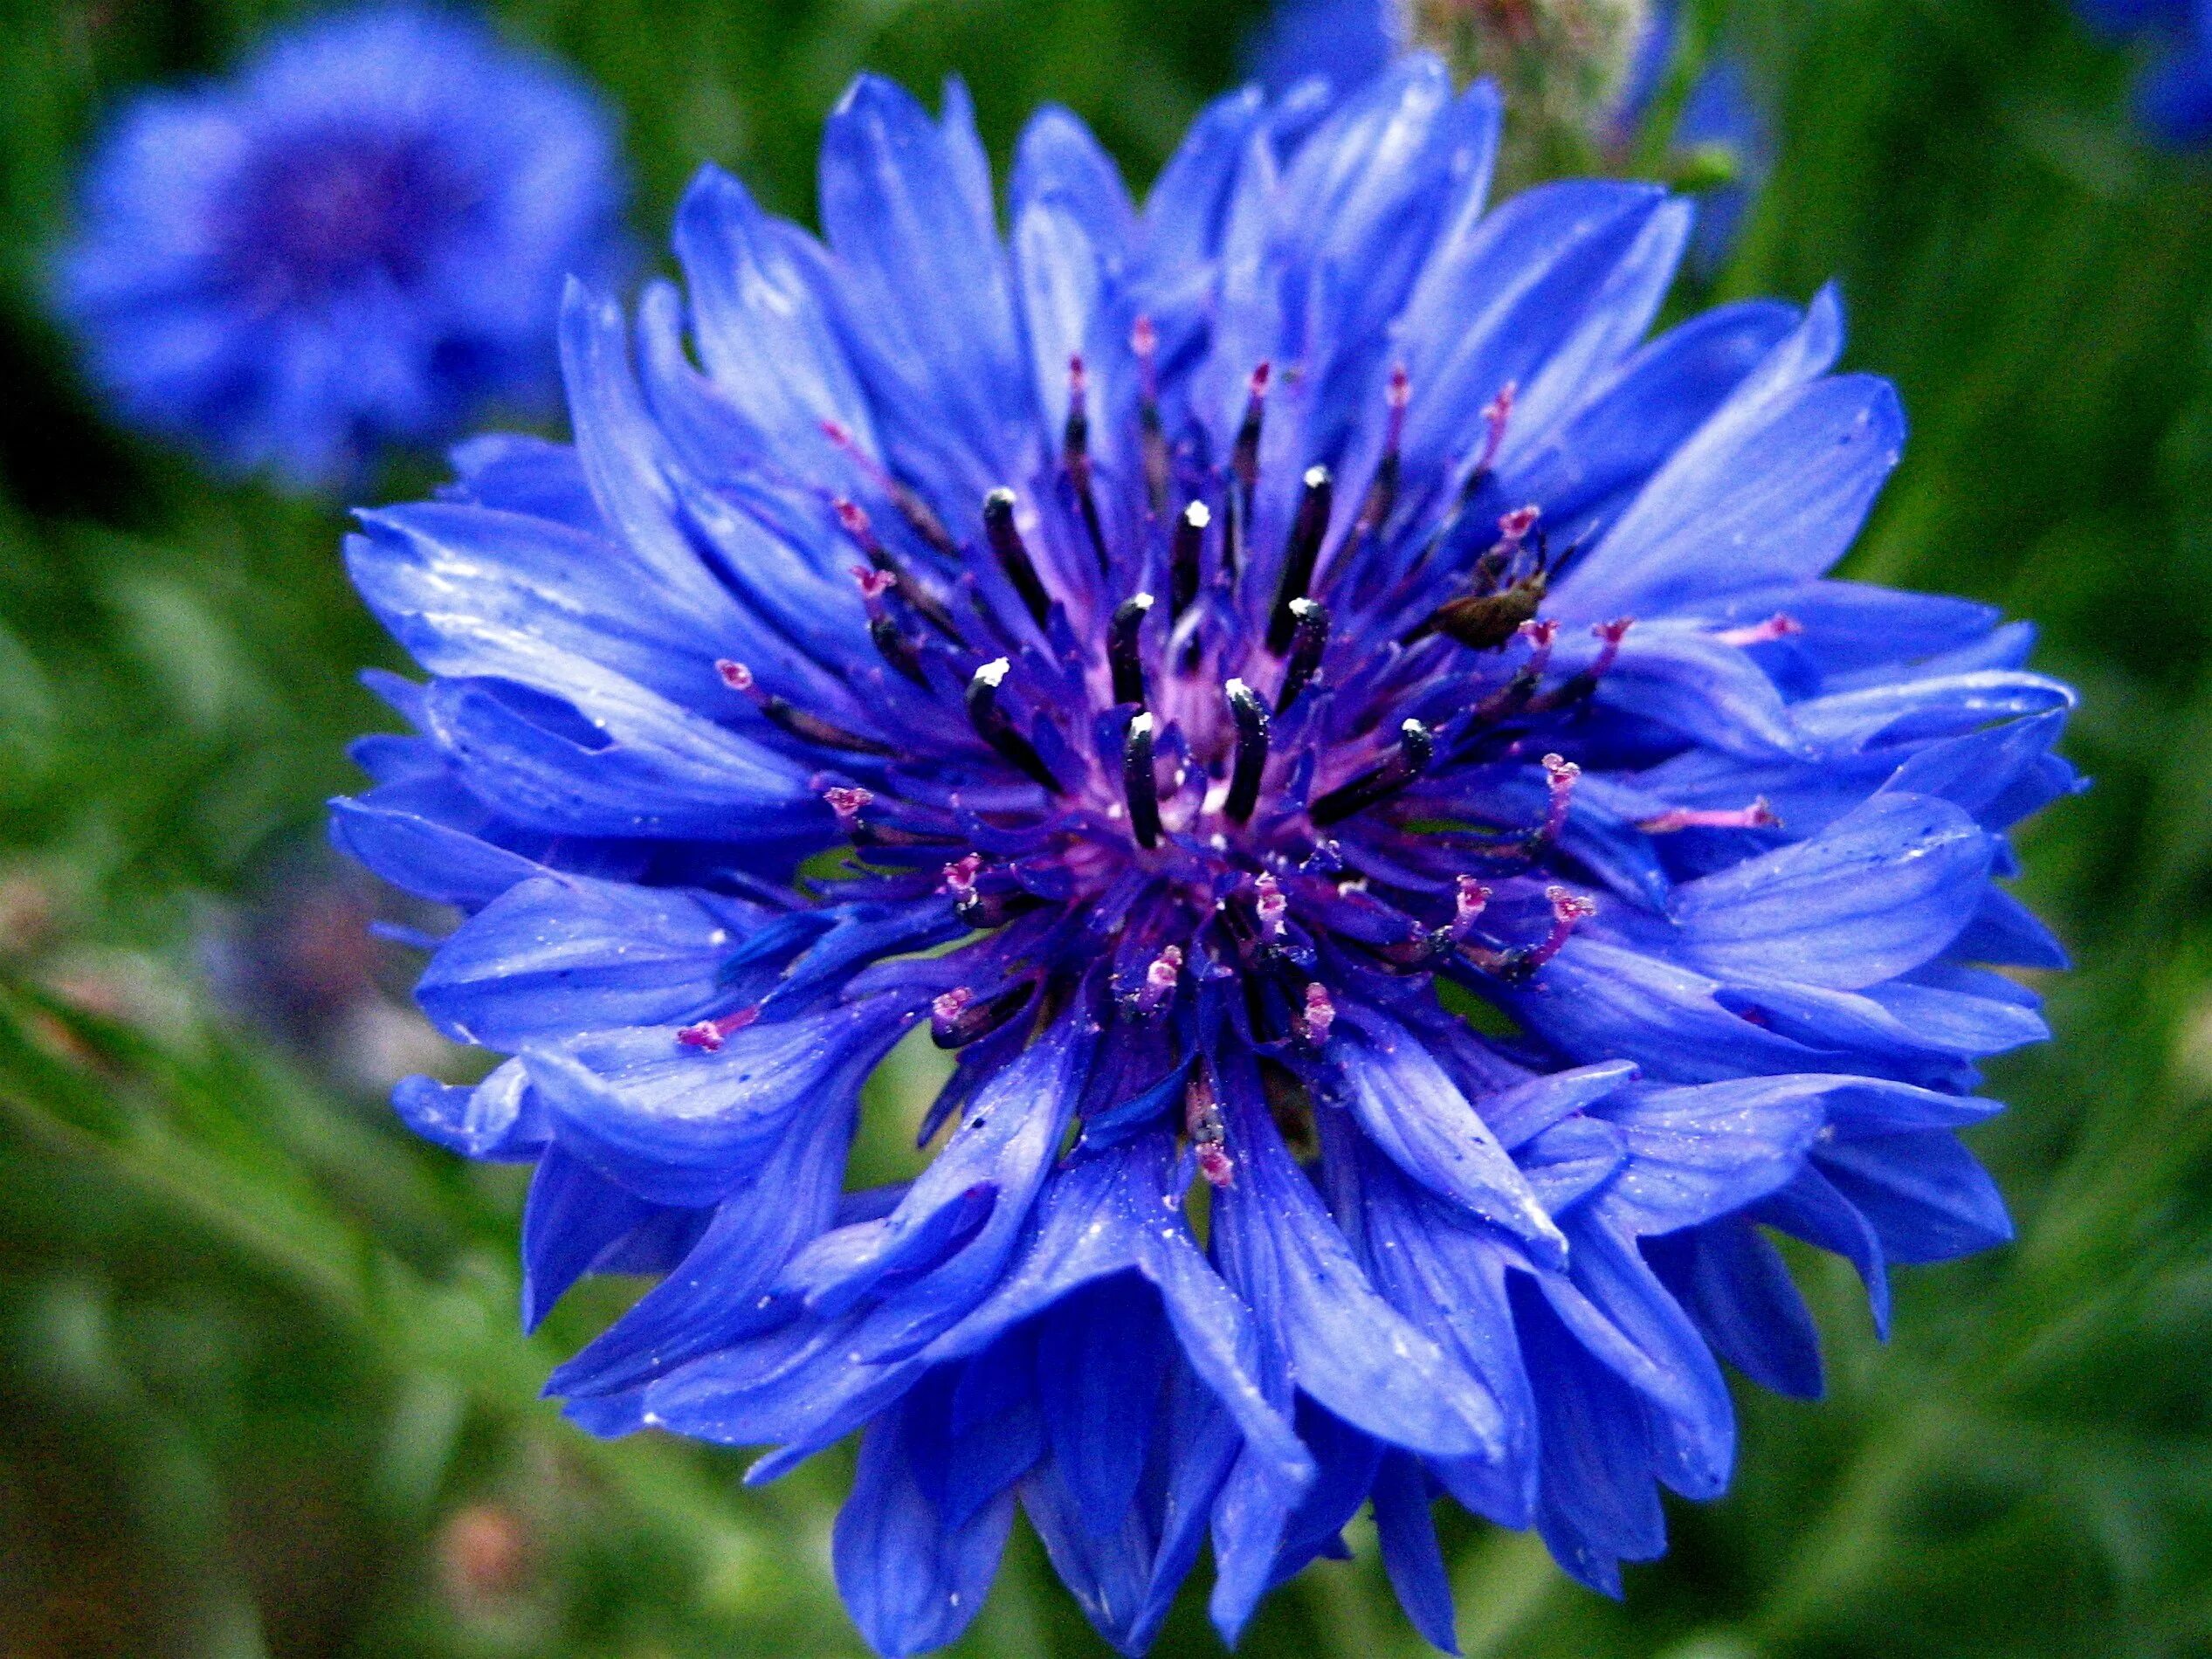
(708, 1035)
(736, 676)
(960, 875)
(952, 1004)
(1319, 1015)
(1160, 979)
(1216, 1165)
(1467, 908)
(848, 803)
(1273, 908)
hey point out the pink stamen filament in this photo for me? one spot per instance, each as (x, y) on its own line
(1569, 910)
(1778, 626)
(708, 1035)
(1560, 777)
(1495, 415)
(1757, 815)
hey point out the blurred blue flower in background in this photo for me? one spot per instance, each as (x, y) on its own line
(1350, 744)
(359, 239)
(1345, 41)
(2174, 99)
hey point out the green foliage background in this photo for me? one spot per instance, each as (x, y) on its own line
(258, 1350)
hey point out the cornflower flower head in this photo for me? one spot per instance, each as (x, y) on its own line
(1345, 735)
(358, 239)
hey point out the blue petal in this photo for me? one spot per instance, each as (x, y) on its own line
(513, 472)
(1597, 1506)
(1499, 295)
(930, 303)
(766, 333)
(470, 591)
(1697, 1153)
(431, 860)
(680, 1127)
(1101, 1362)
(1625, 1318)
(557, 953)
(658, 772)
(1596, 998)
(1780, 478)
(1926, 1198)
(910, 1583)
(989, 1173)
(501, 1120)
(723, 1288)
(1058, 158)
(573, 1218)
(1347, 1347)
(1736, 1286)
(1570, 1160)
(1414, 1112)
(1812, 1208)
(1629, 424)
(1410, 1554)
(1875, 896)
(1520, 1113)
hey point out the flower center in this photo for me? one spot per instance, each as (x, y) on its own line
(1181, 728)
(329, 208)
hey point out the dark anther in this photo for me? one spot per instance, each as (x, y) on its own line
(1076, 456)
(1251, 716)
(1416, 747)
(1309, 639)
(1243, 465)
(987, 911)
(996, 728)
(789, 718)
(956, 1019)
(1138, 783)
(1486, 622)
(1005, 537)
(1144, 341)
(891, 640)
(1122, 652)
(1307, 532)
(1190, 540)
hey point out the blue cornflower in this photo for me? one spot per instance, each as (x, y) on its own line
(361, 238)
(2173, 98)
(1345, 41)
(1187, 660)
